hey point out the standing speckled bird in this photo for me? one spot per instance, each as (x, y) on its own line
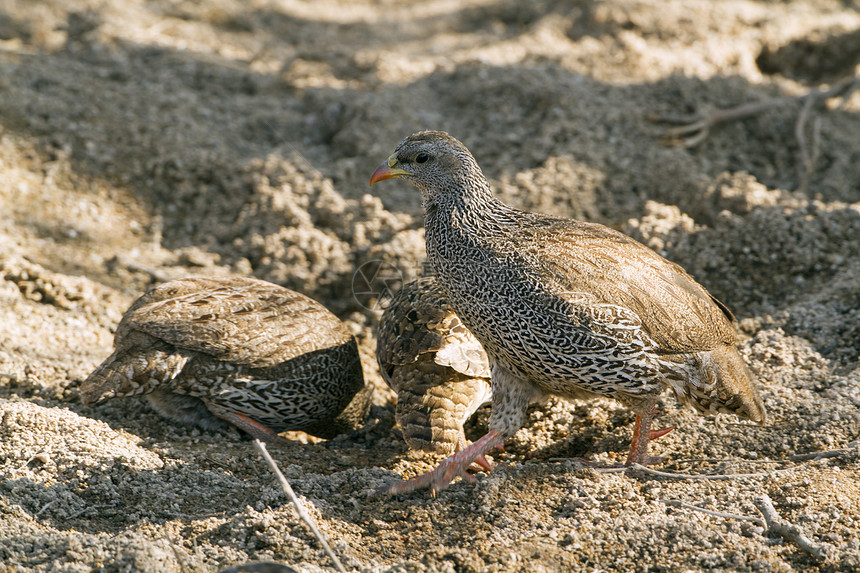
(565, 307)
(436, 366)
(257, 355)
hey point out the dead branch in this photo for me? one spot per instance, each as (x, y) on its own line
(694, 129)
(300, 508)
(786, 530)
(849, 448)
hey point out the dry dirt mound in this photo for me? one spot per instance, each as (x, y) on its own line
(143, 141)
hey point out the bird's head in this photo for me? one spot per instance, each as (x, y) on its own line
(430, 160)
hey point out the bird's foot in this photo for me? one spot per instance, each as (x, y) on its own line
(642, 435)
(252, 427)
(481, 463)
(644, 458)
(456, 465)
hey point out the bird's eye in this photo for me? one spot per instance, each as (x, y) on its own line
(422, 158)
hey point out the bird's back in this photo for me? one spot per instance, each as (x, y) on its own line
(242, 320)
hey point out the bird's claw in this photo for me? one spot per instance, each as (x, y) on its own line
(481, 463)
(435, 480)
(654, 434)
(458, 464)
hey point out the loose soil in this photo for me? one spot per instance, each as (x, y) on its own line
(145, 140)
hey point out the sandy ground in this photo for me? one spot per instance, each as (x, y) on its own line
(143, 140)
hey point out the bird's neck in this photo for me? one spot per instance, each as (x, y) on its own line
(467, 207)
(464, 226)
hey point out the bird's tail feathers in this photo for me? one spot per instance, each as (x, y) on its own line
(432, 415)
(125, 374)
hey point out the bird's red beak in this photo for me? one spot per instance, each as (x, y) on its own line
(387, 170)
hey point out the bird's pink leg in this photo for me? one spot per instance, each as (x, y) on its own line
(252, 427)
(642, 434)
(453, 466)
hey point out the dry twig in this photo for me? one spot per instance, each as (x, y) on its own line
(677, 503)
(849, 448)
(694, 129)
(672, 475)
(86, 509)
(724, 461)
(786, 530)
(772, 523)
(303, 514)
(45, 507)
(813, 456)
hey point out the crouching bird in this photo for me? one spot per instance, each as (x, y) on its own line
(435, 365)
(565, 307)
(249, 352)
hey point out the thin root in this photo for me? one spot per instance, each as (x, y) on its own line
(672, 475)
(694, 129)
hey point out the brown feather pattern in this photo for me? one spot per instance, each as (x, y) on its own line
(200, 348)
(566, 307)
